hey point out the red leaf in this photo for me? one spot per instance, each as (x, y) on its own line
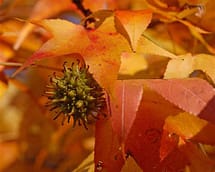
(169, 142)
(144, 138)
(191, 95)
(125, 103)
(108, 156)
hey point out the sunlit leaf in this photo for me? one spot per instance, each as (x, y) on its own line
(195, 129)
(132, 63)
(61, 43)
(132, 24)
(146, 46)
(183, 66)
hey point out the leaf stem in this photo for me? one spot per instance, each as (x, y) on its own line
(10, 64)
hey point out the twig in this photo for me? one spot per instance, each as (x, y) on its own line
(80, 6)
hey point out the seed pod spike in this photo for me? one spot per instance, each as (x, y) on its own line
(76, 94)
(58, 114)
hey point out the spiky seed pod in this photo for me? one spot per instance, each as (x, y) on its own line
(76, 94)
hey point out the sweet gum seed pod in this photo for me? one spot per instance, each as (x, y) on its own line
(75, 94)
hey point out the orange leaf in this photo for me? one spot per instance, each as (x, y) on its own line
(132, 24)
(64, 41)
(195, 129)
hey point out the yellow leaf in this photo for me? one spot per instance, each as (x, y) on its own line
(180, 67)
(134, 24)
(191, 127)
(132, 63)
(66, 37)
(186, 64)
(146, 46)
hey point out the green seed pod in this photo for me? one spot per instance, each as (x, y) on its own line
(76, 94)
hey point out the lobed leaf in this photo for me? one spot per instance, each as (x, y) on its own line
(132, 63)
(191, 95)
(132, 24)
(144, 139)
(183, 66)
(108, 155)
(190, 127)
(124, 106)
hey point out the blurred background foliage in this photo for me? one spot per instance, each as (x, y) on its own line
(29, 138)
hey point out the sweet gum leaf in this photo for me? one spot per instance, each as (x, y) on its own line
(146, 46)
(190, 127)
(61, 43)
(103, 54)
(124, 106)
(132, 63)
(108, 156)
(144, 139)
(184, 65)
(132, 24)
(191, 95)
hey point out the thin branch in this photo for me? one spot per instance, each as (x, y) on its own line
(80, 6)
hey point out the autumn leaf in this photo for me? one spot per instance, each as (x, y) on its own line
(169, 142)
(183, 66)
(196, 129)
(131, 165)
(103, 54)
(144, 139)
(61, 43)
(191, 95)
(132, 24)
(124, 106)
(101, 49)
(108, 156)
(132, 63)
(198, 161)
(146, 46)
